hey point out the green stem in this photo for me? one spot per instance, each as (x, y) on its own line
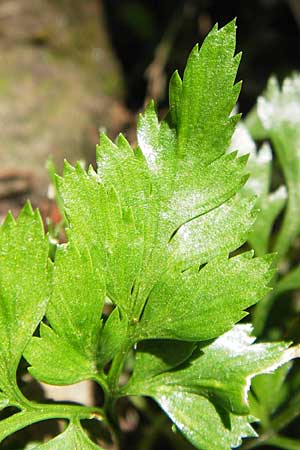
(286, 145)
(287, 415)
(117, 367)
(113, 380)
(39, 412)
(277, 424)
(159, 425)
(285, 443)
(101, 380)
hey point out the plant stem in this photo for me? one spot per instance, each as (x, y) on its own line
(286, 146)
(118, 365)
(101, 380)
(279, 422)
(285, 443)
(110, 385)
(36, 412)
(148, 439)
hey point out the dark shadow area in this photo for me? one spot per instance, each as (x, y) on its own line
(268, 33)
(38, 432)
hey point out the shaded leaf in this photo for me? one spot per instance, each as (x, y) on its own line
(278, 111)
(216, 379)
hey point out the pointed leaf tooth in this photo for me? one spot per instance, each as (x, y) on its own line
(26, 210)
(243, 159)
(58, 180)
(149, 113)
(247, 255)
(123, 144)
(244, 179)
(208, 97)
(237, 59)
(91, 171)
(8, 221)
(233, 120)
(236, 90)
(68, 168)
(80, 170)
(105, 142)
(175, 89)
(232, 155)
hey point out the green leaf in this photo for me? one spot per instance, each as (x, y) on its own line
(268, 392)
(289, 282)
(73, 438)
(67, 352)
(284, 443)
(157, 356)
(269, 204)
(240, 282)
(278, 112)
(24, 291)
(55, 361)
(216, 379)
(153, 229)
(206, 426)
(112, 337)
(225, 229)
(144, 211)
(221, 370)
(109, 216)
(208, 97)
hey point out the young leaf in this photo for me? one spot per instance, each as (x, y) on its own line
(208, 96)
(110, 217)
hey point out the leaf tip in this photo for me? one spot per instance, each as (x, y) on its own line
(27, 210)
(68, 168)
(8, 221)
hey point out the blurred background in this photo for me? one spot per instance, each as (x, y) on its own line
(71, 67)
